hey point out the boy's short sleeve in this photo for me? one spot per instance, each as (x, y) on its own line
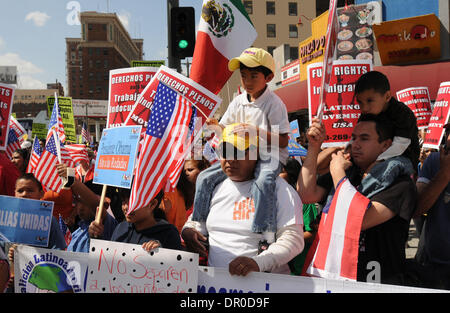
(229, 117)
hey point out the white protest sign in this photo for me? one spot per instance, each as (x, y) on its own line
(116, 267)
(39, 270)
(219, 280)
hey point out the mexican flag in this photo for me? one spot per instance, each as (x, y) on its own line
(225, 30)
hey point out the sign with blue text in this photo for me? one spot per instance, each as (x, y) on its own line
(116, 156)
(25, 220)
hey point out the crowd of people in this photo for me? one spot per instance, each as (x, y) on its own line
(258, 210)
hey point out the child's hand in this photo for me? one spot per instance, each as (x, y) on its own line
(96, 230)
(212, 121)
(150, 245)
(242, 129)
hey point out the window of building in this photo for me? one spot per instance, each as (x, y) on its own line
(293, 31)
(293, 9)
(105, 64)
(105, 52)
(293, 51)
(248, 5)
(90, 51)
(270, 49)
(90, 27)
(270, 7)
(271, 31)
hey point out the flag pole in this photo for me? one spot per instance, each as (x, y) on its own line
(98, 217)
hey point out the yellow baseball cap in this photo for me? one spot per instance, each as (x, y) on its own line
(253, 57)
(240, 142)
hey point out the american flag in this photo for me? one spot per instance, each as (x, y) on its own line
(46, 171)
(65, 230)
(13, 143)
(78, 152)
(209, 153)
(35, 155)
(334, 253)
(18, 128)
(85, 135)
(56, 122)
(166, 132)
(66, 157)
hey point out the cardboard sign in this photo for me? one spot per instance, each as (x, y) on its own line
(40, 270)
(6, 103)
(205, 101)
(116, 156)
(125, 86)
(66, 110)
(127, 268)
(25, 221)
(219, 280)
(439, 118)
(340, 112)
(418, 100)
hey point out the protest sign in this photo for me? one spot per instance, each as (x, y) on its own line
(40, 270)
(127, 268)
(39, 130)
(125, 86)
(154, 63)
(296, 149)
(418, 100)
(295, 129)
(66, 110)
(25, 220)
(116, 156)
(439, 118)
(219, 280)
(6, 103)
(340, 112)
(205, 101)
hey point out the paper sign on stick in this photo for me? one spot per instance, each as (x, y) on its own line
(66, 110)
(439, 118)
(418, 100)
(127, 268)
(6, 103)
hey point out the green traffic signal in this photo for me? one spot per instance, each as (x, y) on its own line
(183, 44)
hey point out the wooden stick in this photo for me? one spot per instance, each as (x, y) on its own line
(98, 217)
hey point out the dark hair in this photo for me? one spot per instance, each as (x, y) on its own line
(24, 153)
(384, 128)
(292, 168)
(30, 176)
(157, 212)
(372, 80)
(186, 187)
(262, 69)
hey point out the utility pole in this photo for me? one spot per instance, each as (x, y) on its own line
(174, 63)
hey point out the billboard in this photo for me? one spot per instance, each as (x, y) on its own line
(8, 74)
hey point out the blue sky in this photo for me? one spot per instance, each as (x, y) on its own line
(33, 33)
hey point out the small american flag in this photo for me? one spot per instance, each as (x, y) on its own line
(65, 230)
(85, 135)
(18, 128)
(209, 153)
(78, 152)
(166, 132)
(56, 122)
(66, 157)
(334, 252)
(35, 155)
(46, 171)
(13, 143)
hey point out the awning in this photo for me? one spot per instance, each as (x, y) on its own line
(295, 95)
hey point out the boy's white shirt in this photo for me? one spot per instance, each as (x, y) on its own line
(267, 112)
(229, 229)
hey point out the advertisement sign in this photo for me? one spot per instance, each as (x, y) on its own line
(66, 110)
(418, 100)
(8, 74)
(116, 267)
(6, 103)
(116, 156)
(25, 221)
(439, 118)
(409, 40)
(340, 112)
(125, 86)
(90, 108)
(290, 73)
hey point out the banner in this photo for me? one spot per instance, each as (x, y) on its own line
(38, 270)
(25, 220)
(340, 112)
(439, 118)
(219, 280)
(66, 110)
(116, 155)
(296, 149)
(127, 268)
(6, 103)
(418, 100)
(125, 86)
(205, 101)
(295, 129)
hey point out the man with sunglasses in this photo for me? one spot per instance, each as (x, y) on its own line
(227, 229)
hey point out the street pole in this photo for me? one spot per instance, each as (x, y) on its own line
(174, 63)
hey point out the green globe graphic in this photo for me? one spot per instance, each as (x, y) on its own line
(49, 277)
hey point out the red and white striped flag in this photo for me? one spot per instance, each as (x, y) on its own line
(13, 143)
(56, 122)
(18, 128)
(66, 157)
(46, 171)
(85, 135)
(168, 127)
(78, 152)
(35, 155)
(334, 253)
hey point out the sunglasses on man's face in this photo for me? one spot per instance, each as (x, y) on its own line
(230, 152)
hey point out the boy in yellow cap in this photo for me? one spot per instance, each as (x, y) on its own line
(259, 111)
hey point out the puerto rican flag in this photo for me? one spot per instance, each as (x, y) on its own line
(334, 253)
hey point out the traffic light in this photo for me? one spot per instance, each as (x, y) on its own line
(182, 28)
